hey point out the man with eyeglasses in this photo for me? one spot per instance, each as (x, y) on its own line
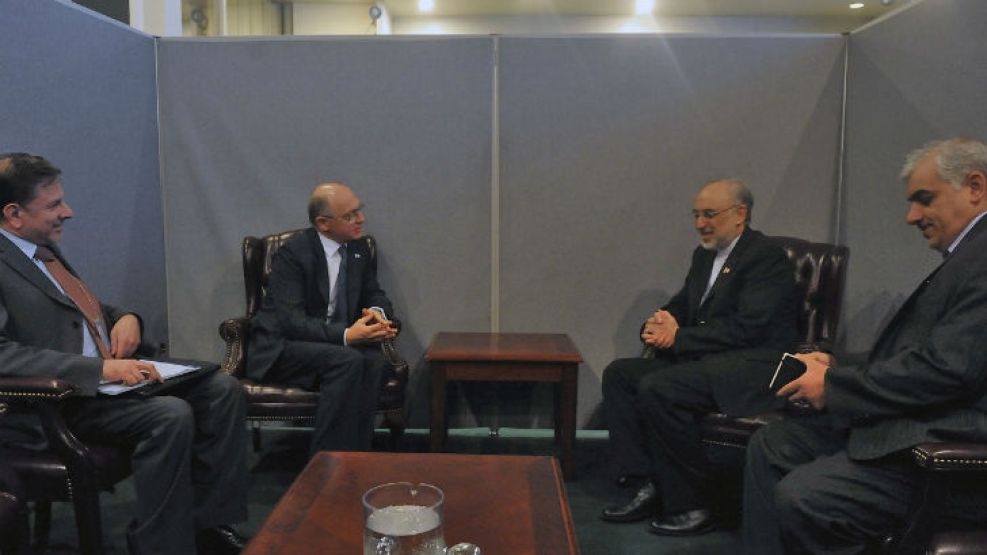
(714, 343)
(316, 328)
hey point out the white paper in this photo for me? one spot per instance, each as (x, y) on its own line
(167, 370)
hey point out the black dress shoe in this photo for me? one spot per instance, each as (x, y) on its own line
(631, 480)
(644, 505)
(219, 540)
(689, 523)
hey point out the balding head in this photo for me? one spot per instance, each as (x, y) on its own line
(336, 212)
(321, 200)
(721, 212)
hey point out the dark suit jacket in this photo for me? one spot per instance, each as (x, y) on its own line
(751, 304)
(749, 318)
(41, 329)
(926, 378)
(297, 297)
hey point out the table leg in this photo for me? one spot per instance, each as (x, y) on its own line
(437, 428)
(567, 417)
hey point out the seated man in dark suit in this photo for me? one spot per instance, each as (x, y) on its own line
(735, 312)
(316, 329)
(837, 480)
(189, 457)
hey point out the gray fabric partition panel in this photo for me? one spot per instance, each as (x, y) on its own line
(79, 89)
(914, 77)
(606, 140)
(250, 126)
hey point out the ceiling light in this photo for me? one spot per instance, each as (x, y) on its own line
(644, 7)
(854, 6)
(426, 6)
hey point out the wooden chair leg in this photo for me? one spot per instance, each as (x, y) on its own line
(394, 420)
(88, 521)
(42, 525)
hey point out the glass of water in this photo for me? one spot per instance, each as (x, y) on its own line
(402, 518)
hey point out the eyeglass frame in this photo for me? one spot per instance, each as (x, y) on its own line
(708, 214)
(348, 217)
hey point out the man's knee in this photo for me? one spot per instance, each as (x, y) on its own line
(794, 503)
(171, 416)
(620, 375)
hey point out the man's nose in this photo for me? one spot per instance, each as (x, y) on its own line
(914, 215)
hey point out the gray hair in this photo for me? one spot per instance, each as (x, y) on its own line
(740, 193)
(955, 159)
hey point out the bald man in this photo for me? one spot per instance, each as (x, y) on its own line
(315, 328)
(715, 342)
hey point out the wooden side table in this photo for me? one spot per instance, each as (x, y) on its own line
(507, 357)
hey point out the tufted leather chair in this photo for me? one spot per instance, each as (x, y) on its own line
(820, 275)
(68, 470)
(935, 524)
(279, 403)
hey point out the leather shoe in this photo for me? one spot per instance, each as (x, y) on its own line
(219, 540)
(689, 523)
(644, 504)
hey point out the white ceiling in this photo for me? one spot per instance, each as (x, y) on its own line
(676, 8)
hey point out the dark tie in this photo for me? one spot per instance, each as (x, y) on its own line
(340, 312)
(78, 292)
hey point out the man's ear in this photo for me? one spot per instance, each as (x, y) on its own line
(11, 212)
(977, 182)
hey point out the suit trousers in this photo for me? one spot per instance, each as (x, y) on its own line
(653, 408)
(349, 380)
(189, 458)
(803, 493)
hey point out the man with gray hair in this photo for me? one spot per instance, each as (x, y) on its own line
(713, 341)
(835, 481)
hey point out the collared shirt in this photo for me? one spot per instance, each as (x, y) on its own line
(89, 348)
(333, 261)
(963, 233)
(718, 262)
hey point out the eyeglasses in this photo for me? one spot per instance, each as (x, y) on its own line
(710, 214)
(348, 217)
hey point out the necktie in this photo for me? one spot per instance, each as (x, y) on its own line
(340, 311)
(78, 292)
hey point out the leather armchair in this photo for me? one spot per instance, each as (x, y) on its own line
(68, 470)
(937, 522)
(820, 276)
(268, 402)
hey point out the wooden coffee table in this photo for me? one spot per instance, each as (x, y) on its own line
(510, 357)
(503, 504)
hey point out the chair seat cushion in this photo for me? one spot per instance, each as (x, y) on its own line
(720, 429)
(268, 401)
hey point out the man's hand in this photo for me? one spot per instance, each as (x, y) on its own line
(125, 336)
(369, 327)
(129, 371)
(810, 386)
(660, 330)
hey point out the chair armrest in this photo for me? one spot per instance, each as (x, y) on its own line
(42, 396)
(234, 333)
(18, 392)
(951, 457)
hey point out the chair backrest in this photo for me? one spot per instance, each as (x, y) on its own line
(258, 256)
(820, 275)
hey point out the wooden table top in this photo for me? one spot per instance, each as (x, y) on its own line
(529, 347)
(504, 504)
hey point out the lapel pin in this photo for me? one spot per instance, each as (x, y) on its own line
(726, 269)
